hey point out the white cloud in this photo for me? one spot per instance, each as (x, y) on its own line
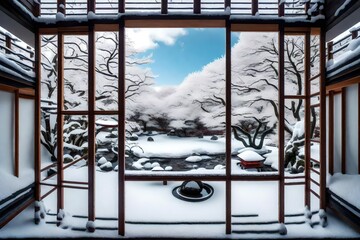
(148, 38)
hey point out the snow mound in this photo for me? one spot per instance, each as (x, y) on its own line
(102, 161)
(282, 229)
(354, 44)
(250, 156)
(194, 159)
(90, 226)
(137, 165)
(157, 168)
(219, 167)
(168, 168)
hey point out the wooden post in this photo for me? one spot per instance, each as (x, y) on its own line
(358, 128)
(61, 6)
(254, 7)
(228, 125)
(307, 7)
(281, 123)
(197, 6)
(37, 9)
(37, 122)
(91, 6)
(91, 126)
(330, 47)
(227, 4)
(164, 6)
(121, 6)
(60, 123)
(7, 44)
(16, 116)
(354, 34)
(281, 9)
(307, 76)
(331, 132)
(121, 130)
(343, 130)
(322, 120)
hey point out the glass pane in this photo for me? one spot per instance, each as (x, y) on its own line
(106, 70)
(294, 65)
(75, 148)
(315, 55)
(254, 104)
(168, 106)
(75, 72)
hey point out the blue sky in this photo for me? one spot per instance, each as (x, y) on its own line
(190, 52)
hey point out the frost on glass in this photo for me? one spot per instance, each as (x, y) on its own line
(254, 112)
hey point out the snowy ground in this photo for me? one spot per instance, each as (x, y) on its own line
(154, 202)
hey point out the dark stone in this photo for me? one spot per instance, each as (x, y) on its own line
(172, 133)
(214, 138)
(150, 139)
(191, 188)
(134, 137)
(300, 163)
(51, 172)
(106, 167)
(68, 160)
(54, 159)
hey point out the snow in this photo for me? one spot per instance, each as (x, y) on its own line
(106, 165)
(103, 122)
(342, 7)
(347, 187)
(250, 156)
(168, 147)
(157, 168)
(102, 160)
(193, 159)
(5, 60)
(152, 201)
(350, 57)
(354, 44)
(14, 183)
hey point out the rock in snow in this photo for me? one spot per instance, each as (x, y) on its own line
(150, 139)
(147, 166)
(134, 137)
(168, 168)
(106, 167)
(101, 161)
(137, 165)
(193, 159)
(68, 158)
(214, 138)
(250, 156)
(155, 164)
(157, 168)
(219, 167)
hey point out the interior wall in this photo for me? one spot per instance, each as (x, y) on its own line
(337, 133)
(27, 131)
(17, 29)
(352, 125)
(7, 136)
(6, 131)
